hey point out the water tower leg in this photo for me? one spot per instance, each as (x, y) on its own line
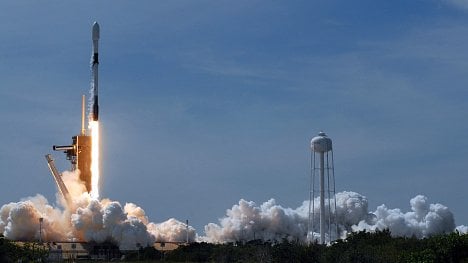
(322, 198)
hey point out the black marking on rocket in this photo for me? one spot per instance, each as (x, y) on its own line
(95, 109)
(96, 58)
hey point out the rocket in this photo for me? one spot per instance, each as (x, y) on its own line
(94, 69)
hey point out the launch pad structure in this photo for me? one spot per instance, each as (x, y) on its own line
(79, 153)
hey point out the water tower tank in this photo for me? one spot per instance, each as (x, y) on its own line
(321, 143)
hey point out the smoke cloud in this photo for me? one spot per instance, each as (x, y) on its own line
(173, 230)
(424, 220)
(272, 222)
(87, 219)
(462, 229)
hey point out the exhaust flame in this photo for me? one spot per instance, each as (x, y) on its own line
(94, 127)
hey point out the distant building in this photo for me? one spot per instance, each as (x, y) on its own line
(64, 251)
(69, 251)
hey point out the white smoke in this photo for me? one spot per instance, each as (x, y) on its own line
(106, 221)
(424, 220)
(246, 221)
(20, 221)
(462, 229)
(173, 230)
(269, 221)
(74, 185)
(86, 219)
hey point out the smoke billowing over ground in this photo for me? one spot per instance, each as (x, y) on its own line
(270, 221)
(87, 220)
(127, 225)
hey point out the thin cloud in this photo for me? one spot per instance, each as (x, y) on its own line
(463, 4)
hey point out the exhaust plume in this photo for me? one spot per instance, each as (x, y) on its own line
(87, 219)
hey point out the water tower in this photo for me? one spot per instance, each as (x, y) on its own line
(322, 169)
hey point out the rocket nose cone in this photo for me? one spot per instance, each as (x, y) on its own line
(95, 31)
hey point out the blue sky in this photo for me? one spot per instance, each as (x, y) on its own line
(206, 102)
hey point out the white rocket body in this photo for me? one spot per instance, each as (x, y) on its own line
(95, 64)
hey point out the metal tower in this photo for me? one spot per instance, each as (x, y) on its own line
(321, 149)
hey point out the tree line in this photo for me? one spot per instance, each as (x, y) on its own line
(360, 247)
